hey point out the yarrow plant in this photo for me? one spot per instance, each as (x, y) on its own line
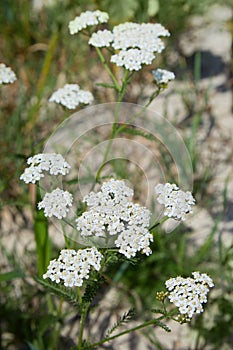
(71, 96)
(188, 294)
(7, 75)
(111, 213)
(88, 18)
(56, 203)
(108, 227)
(137, 43)
(177, 202)
(162, 76)
(52, 163)
(112, 216)
(72, 267)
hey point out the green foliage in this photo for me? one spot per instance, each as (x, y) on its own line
(8, 276)
(162, 325)
(122, 320)
(92, 288)
(120, 10)
(61, 291)
(42, 241)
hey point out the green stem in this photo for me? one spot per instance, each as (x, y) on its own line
(57, 326)
(114, 127)
(102, 59)
(158, 223)
(153, 96)
(143, 325)
(81, 328)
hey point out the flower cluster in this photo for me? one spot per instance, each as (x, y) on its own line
(144, 36)
(56, 203)
(102, 38)
(71, 96)
(53, 163)
(188, 294)
(88, 18)
(162, 76)
(7, 76)
(133, 59)
(72, 267)
(137, 43)
(112, 213)
(177, 203)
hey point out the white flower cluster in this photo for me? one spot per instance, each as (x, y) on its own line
(137, 43)
(162, 76)
(133, 59)
(144, 36)
(88, 18)
(188, 294)
(7, 76)
(177, 203)
(72, 267)
(71, 96)
(56, 203)
(102, 38)
(112, 213)
(54, 163)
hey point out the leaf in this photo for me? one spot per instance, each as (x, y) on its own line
(153, 7)
(120, 10)
(42, 240)
(106, 85)
(92, 288)
(8, 276)
(68, 294)
(136, 132)
(124, 319)
(162, 325)
(157, 311)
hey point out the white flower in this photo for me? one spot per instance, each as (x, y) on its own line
(112, 192)
(102, 38)
(71, 96)
(112, 213)
(177, 203)
(162, 76)
(142, 36)
(7, 76)
(188, 294)
(31, 175)
(54, 163)
(133, 59)
(131, 240)
(88, 18)
(72, 267)
(56, 203)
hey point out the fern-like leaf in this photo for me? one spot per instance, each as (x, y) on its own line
(162, 325)
(92, 288)
(157, 311)
(67, 294)
(124, 319)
